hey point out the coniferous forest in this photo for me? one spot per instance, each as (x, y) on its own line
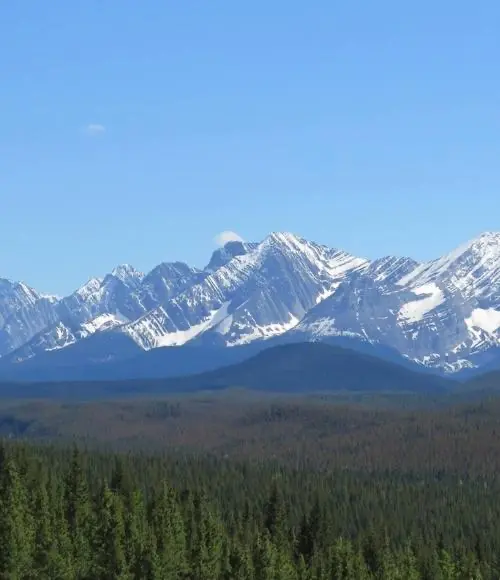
(85, 514)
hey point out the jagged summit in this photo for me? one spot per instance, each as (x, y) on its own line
(126, 272)
(443, 314)
(472, 268)
(230, 250)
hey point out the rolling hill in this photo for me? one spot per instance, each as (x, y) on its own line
(289, 368)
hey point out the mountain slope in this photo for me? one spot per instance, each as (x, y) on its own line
(473, 269)
(23, 313)
(255, 295)
(443, 314)
(105, 304)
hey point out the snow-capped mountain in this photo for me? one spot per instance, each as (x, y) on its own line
(473, 269)
(103, 304)
(262, 291)
(23, 313)
(444, 314)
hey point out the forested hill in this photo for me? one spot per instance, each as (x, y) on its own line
(316, 366)
(291, 368)
(78, 515)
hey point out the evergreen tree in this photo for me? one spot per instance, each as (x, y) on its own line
(265, 558)
(208, 538)
(448, 568)
(240, 563)
(409, 564)
(109, 557)
(59, 520)
(16, 526)
(45, 548)
(137, 535)
(80, 517)
(121, 480)
(170, 533)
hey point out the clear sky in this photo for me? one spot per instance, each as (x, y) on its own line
(136, 130)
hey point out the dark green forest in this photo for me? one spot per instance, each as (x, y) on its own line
(364, 432)
(240, 485)
(76, 513)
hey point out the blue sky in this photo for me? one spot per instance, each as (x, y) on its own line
(136, 131)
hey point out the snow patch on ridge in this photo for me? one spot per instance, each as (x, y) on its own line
(415, 310)
(264, 332)
(180, 337)
(487, 319)
(104, 322)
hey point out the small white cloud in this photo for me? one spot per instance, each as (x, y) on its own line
(227, 236)
(94, 129)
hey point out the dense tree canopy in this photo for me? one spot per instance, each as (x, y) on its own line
(78, 514)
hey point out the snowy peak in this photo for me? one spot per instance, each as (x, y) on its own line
(231, 250)
(329, 262)
(18, 291)
(254, 291)
(166, 281)
(472, 269)
(89, 289)
(127, 274)
(291, 243)
(444, 313)
(441, 314)
(23, 313)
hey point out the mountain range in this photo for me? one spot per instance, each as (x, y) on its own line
(442, 316)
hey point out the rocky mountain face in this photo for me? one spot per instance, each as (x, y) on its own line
(23, 313)
(444, 314)
(255, 295)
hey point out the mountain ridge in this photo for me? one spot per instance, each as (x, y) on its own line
(443, 314)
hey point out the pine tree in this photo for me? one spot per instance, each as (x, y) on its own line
(208, 538)
(469, 568)
(447, 567)
(275, 516)
(137, 534)
(360, 568)
(79, 516)
(390, 567)
(149, 567)
(61, 561)
(372, 550)
(285, 568)
(121, 482)
(241, 564)
(344, 563)
(305, 540)
(109, 558)
(16, 526)
(45, 549)
(265, 558)
(409, 564)
(170, 534)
